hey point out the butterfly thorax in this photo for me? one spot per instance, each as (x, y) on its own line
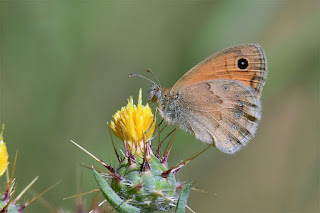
(168, 103)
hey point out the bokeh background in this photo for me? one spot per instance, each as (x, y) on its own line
(64, 72)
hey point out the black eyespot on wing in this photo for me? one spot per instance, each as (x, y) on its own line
(243, 63)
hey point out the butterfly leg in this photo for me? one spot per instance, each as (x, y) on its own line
(161, 142)
(154, 119)
(157, 126)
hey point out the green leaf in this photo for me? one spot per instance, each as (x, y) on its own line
(182, 202)
(115, 201)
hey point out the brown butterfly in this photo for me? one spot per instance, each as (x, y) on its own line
(218, 100)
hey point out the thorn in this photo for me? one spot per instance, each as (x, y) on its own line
(165, 174)
(38, 196)
(126, 148)
(111, 171)
(181, 186)
(200, 190)
(114, 148)
(25, 189)
(131, 158)
(98, 169)
(145, 167)
(190, 209)
(10, 181)
(149, 150)
(94, 157)
(81, 194)
(136, 187)
(7, 175)
(175, 169)
(20, 210)
(9, 189)
(8, 201)
(95, 201)
(166, 155)
(99, 205)
(160, 143)
(122, 154)
(162, 195)
(128, 154)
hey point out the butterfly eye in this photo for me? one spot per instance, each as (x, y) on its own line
(176, 96)
(165, 95)
(243, 63)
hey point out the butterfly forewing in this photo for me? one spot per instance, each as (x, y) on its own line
(218, 100)
(244, 63)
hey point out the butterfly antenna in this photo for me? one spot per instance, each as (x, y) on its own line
(141, 76)
(155, 77)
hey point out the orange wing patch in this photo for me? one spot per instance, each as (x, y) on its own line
(245, 64)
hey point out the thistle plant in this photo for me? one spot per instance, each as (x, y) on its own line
(142, 182)
(7, 201)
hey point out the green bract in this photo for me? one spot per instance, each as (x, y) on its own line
(142, 182)
(146, 189)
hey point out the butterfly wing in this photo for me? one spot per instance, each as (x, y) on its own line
(220, 112)
(245, 64)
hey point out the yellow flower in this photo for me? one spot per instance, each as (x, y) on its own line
(132, 124)
(3, 154)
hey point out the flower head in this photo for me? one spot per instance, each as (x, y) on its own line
(3, 154)
(142, 182)
(134, 124)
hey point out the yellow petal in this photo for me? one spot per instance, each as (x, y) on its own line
(131, 123)
(3, 154)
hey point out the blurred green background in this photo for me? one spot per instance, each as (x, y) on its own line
(64, 72)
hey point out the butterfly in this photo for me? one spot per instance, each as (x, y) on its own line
(219, 100)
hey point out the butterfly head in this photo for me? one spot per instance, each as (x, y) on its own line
(161, 95)
(155, 93)
(167, 99)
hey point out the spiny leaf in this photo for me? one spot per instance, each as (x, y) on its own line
(182, 202)
(115, 201)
